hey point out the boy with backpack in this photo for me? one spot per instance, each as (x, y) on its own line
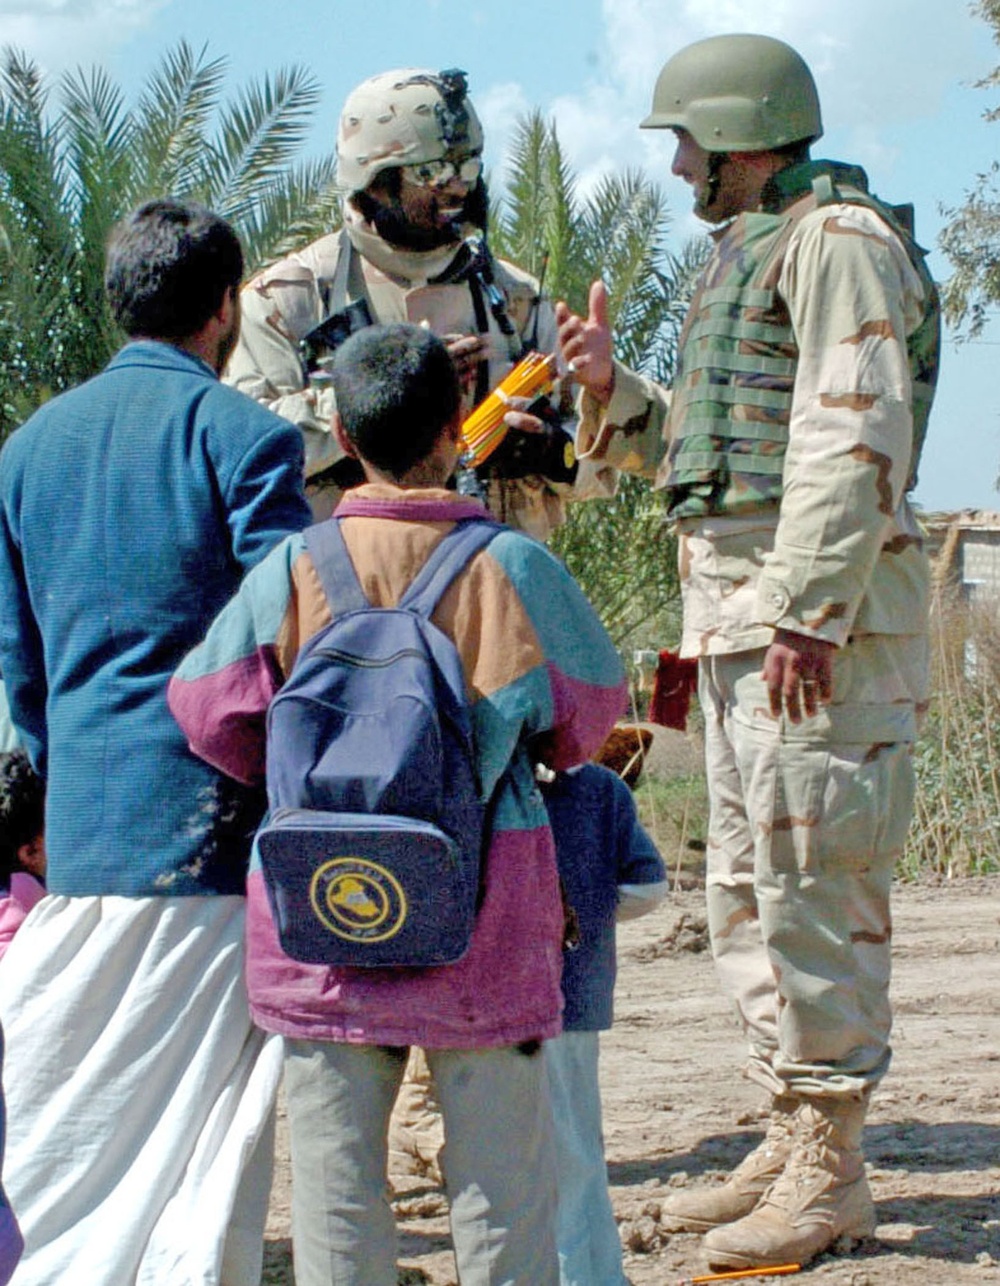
(541, 680)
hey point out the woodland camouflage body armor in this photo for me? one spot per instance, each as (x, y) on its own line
(732, 397)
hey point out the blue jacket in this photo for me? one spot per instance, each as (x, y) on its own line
(600, 844)
(130, 509)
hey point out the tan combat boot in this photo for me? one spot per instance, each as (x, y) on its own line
(707, 1208)
(820, 1200)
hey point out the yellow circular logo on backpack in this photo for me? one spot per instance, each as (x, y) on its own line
(358, 900)
(569, 454)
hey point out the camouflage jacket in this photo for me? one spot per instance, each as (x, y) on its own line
(284, 302)
(835, 549)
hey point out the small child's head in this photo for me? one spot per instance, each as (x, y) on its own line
(398, 403)
(22, 816)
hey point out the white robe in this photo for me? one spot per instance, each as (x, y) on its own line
(139, 1096)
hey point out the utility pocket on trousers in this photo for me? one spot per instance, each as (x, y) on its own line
(839, 808)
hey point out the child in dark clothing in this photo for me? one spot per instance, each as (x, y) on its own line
(611, 871)
(22, 842)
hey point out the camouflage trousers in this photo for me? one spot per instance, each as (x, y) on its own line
(806, 824)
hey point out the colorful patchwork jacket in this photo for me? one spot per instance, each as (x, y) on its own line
(538, 665)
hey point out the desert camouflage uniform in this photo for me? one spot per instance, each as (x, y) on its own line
(816, 361)
(283, 303)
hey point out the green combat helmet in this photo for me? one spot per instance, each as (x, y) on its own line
(404, 117)
(741, 93)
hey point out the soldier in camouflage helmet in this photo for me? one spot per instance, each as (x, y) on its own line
(786, 448)
(412, 248)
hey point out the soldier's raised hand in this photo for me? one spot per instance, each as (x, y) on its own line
(585, 345)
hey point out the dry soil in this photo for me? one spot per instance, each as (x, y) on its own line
(677, 1109)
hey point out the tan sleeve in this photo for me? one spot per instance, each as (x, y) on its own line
(277, 308)
(628, 434)
(853, 297)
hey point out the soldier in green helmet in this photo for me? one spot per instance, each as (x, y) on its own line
(413, 247)
(786, 447)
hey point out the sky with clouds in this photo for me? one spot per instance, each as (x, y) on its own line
(896, 79)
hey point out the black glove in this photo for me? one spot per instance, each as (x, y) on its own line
(549, 453)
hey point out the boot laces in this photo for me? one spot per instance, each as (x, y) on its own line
(777, 1138)
(812, 1168)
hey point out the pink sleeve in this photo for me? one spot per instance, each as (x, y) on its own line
(25, 892)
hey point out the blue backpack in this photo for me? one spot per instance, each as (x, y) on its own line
(372, 848)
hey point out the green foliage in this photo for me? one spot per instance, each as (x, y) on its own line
(971, 238)
(674, 810)
(956, 828)
(67, 175)
(626, 560)
(618, 549)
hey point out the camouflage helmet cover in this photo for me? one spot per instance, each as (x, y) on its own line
(739, 93)
(402, 118)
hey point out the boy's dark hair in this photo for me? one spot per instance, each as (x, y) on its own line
(396, 389)
(168, 268)
(22, 807)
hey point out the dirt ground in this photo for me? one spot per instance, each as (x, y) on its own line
(677, 1110)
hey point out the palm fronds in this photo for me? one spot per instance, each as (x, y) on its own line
(257, 138)
(618, 549)
(68, 174)
(172, 120)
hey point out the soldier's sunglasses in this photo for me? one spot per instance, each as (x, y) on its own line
(435, 174)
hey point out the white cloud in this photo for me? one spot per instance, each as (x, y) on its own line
(882, 66)
(499, 108)
(889, 60)
(64, 34)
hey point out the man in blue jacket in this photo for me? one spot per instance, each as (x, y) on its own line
(130, 509)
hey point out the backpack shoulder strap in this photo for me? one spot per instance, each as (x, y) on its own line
(466, 538)
(325, 543)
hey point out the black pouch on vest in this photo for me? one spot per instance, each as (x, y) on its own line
(325, 338)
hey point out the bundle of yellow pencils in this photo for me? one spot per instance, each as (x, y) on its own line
(484, 429)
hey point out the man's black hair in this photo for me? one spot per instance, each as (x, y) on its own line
(396, 389)
(169, 266)
(22, 807)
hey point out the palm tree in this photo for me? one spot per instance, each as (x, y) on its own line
(68, 175)
(619, 550)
